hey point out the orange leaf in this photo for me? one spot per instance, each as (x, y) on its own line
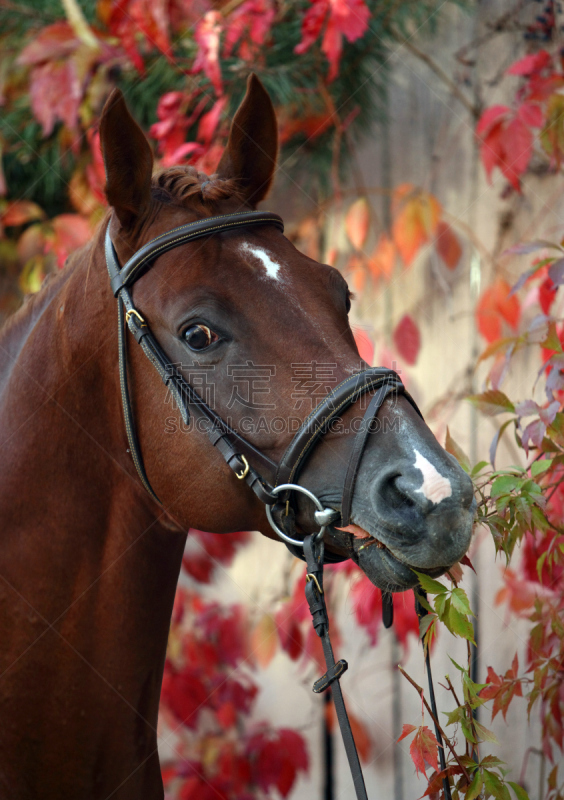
(496, 305)
(361, 737)
(357, 272)
(20, 212)
(264, 640)
(357, 222)
(383, 260)
(31, 243)
(416, 218)
(447, 245)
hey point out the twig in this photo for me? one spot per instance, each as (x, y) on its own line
(436, 721)
(434, 67)
(451, 687)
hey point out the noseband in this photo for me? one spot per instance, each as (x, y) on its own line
(243, 457)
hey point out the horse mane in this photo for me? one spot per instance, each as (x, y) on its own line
(182, 185)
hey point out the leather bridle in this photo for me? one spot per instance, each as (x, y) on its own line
(242, 456)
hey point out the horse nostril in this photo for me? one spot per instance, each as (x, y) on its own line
(394, 494)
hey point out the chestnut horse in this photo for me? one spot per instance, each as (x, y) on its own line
(89, 561)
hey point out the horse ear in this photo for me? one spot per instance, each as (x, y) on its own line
(250, 155)
(128, 161)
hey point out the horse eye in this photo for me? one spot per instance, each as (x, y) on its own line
(198, 337)
(349, 300)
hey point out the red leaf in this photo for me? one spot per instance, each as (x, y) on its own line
(289, 633)
(407, 339)
(406, 730)
(249, 26)
(507, 142)
(534, 62)
(447, 245)
(367, 605)
(55, 94)
(209, 122)
(56, 41)
(531, 114)
(467, 563)
(347, 18)
(492, 116)
(547, 295)
(185, 695)
(206, 34)
(424, 749)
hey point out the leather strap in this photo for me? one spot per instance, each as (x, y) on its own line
(316, 600)
(359, 443)
(138, 263)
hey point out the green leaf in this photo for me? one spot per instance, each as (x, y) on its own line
(429, 585)
(460, 601)
(453, 717)
(425, 623)
(492, 402)
(442, 607)
(540, 563)
(485, 733)
(504, 484)
(422, 600)
(475, 787)
(455, 450)
(552, 341)
(520, 793)
(495, 786)
(466, 728)
(478, 468)
(460, 625)
(538, 467)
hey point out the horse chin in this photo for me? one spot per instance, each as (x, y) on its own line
(387, 571)
(382, 568)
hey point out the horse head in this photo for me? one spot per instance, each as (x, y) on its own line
(261, 332)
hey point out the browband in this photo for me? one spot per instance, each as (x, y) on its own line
(138, 263)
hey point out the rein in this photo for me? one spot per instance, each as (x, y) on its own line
(242, 456)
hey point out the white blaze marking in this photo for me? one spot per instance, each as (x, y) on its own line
(271, 267)
(434, 487)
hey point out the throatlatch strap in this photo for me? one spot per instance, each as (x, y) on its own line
(316, 600)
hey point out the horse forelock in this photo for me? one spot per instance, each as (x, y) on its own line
(182, 185)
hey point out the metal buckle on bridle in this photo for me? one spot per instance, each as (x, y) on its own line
(323, 516)
(244, 472)
(135, 313)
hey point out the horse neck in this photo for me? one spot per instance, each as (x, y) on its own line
(86, 566)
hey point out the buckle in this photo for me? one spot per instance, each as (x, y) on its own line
(244, 472)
